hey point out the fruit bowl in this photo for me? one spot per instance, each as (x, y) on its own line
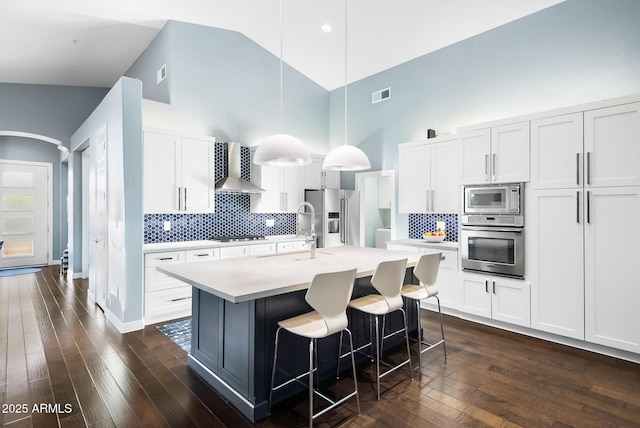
(433, 238)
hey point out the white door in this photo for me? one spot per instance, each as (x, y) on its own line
(161, 176)
(511, 301)
(556, 152)
(611, 145)
(555, 260)
(24, 213)
(476, 150)
(612, 289)
(510, 153)
(196, 173)
(414, 178)
(100, 223)
(445, 192)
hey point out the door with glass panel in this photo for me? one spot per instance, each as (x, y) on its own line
(24, 213)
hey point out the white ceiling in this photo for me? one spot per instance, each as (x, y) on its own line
(37, 36)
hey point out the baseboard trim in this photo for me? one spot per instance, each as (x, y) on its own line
(123, 327)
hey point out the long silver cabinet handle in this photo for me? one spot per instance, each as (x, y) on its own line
(493, 166)
(181, 298)
(486, 167)
(427, 200)
(494, 287)
(486, 286)
(588, 206)
(578, 168)
(179, 198)
(185, 198)
(578, 207)
(588, 167)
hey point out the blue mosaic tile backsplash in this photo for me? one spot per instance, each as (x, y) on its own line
(232, 215)
(420, 223)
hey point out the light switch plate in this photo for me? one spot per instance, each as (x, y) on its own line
(270, 222)
(166, 226)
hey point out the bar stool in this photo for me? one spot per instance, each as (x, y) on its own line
(426, 271)
(387, 280)
(328, 294)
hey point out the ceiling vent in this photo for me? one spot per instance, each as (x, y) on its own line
(381, 95)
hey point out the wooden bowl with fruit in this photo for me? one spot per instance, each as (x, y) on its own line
(434, 236)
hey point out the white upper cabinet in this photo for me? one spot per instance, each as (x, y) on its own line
(283, 188)
(428, 176)
(556, 152)
(496, 155)
(178, 174)
(317, 178)
(612, 146)
(385, 192)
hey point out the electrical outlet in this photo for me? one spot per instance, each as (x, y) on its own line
(270, 222)
(166, 226)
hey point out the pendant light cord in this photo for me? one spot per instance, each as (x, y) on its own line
(281, 68)
(345, 72)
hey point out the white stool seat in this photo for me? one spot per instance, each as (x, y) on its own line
(419, 292)
(374, 304)
(311, 325)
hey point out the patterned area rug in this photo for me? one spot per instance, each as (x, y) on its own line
(179, 332)
(21, 271)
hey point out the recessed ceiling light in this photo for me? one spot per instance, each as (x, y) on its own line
(326, 28)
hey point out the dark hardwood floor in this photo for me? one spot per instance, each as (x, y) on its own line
(57, 352)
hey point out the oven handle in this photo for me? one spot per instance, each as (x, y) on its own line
(494, 229)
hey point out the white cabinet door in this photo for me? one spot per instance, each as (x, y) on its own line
(268, 178)
(198, 179)
(509, 161)
(162, 160)
(316, 178)
(414, 184)
(385, 192)
(448, 281)
(291, 186)
(556, 152)
(510, 301)
(612, 146)
(476, 296)
(445, 192)
(476, 153)
(554, 260)
(612, 289)
(178, 174)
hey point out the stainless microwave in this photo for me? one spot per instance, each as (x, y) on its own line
(494, 199)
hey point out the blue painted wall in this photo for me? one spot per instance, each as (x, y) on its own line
(52, 111)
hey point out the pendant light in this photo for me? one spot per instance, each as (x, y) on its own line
(346, 157)
(282, 149)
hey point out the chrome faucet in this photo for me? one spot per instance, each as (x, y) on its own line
(309, 235)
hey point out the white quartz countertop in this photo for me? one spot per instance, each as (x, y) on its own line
(195, 245)
(248, 278)
(451, 246)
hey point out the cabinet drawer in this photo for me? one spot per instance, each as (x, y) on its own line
(167, 257)
(155, 280)
(202, 255)
(228, 252)
(259, 249)
(285, 247)
(167, 304)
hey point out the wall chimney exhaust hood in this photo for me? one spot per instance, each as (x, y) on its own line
(234, 183)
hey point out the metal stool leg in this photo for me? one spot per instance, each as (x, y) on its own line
(444, 346)
(377, 356)
(273, 369)
(406, 338)
(311, 353)
(419, 335)
(353, 366)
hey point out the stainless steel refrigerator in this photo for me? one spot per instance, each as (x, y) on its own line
(337, 216)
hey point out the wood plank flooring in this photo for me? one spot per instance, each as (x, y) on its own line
(58, 352)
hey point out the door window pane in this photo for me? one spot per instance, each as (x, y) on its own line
(18, 226)
(17, 202)
(17, 249)
(17, 179)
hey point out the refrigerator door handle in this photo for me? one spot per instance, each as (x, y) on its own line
(342, 231)
(347, 231)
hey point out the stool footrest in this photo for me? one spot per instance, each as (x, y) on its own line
(333, 403)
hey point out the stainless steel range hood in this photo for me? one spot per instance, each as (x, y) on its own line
(233, 183)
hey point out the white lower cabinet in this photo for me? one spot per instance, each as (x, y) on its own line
(288, 247)
(498, 298)
(165, 297)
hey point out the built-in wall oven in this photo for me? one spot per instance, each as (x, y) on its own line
(492, 230)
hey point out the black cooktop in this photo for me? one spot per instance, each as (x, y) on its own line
(236, 238)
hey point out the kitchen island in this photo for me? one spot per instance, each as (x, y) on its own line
(237, 304)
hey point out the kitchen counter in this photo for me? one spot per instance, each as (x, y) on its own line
(247, 278)
(236, 307)
(196, 245)
(421, 243)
